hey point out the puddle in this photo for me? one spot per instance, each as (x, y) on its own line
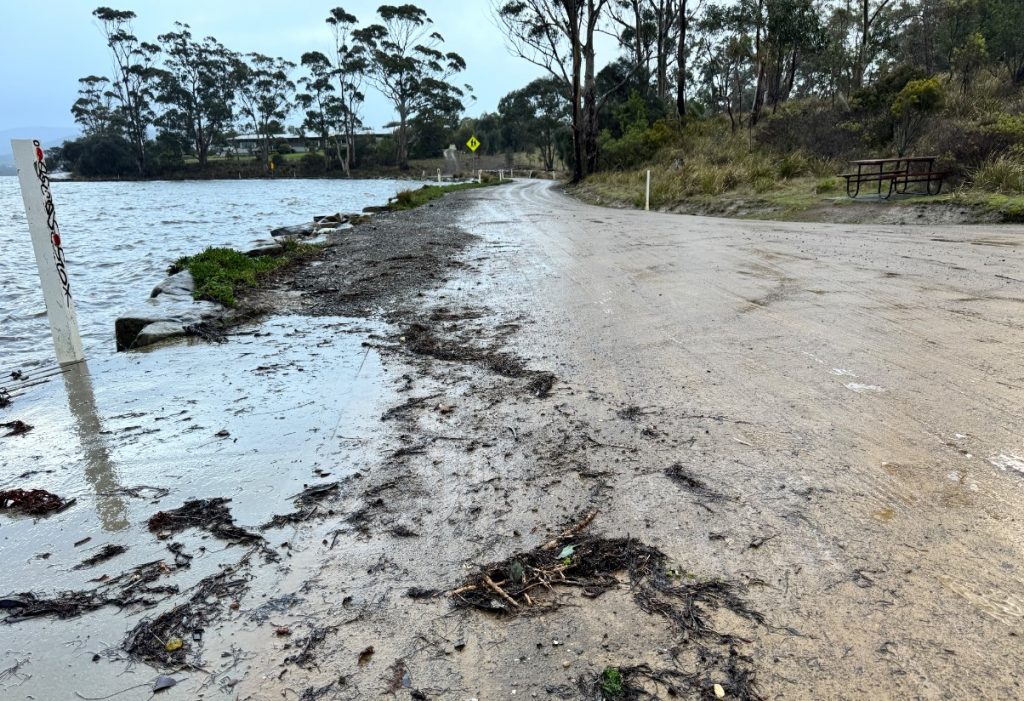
(1008, 462)
(861, 389)
(299, 394)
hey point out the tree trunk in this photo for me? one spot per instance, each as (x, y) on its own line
(755, 110)
(403, 139)
(681, 62)
(578, 136)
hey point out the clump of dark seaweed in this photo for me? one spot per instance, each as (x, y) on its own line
(518, 584)
(307, 505)
(210, 515)
(688, 481)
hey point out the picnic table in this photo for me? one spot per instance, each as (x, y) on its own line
(897, 174)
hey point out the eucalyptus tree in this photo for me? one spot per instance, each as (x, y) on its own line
(264, 92)
(532, 117)
(404, 62)
(94, 108)
(349, 71)
(134, 78)
(324, 110)
(558, 36)
(196, 88)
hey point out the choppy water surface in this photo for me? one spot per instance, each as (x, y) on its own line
(119, 238)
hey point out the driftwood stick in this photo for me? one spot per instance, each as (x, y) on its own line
(500, 591)
(570, 532)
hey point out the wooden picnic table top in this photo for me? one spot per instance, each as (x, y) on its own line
(883, 161)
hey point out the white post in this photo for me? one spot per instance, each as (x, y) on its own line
(647, 199)
(46, 242)
(501, 174)
(438, 175)
(511, 173)
(479, 177)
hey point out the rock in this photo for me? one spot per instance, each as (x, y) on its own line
(330, 220)
(163, 682)
(374, 209)
(297, 230)
(178, 285)
(264, 247)
(158, 331)
(165, 308)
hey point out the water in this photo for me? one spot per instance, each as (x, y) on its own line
(119, 238)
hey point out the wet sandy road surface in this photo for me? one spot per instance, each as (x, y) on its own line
(827, 417)
(867, 385)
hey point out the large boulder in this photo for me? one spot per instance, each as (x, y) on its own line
(294, 231)
(158, 331)
(178, 285)
(264, 247)
(128, 329)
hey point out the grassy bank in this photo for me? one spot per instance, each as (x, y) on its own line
(410, 199)
(220, 273)
(708, 169)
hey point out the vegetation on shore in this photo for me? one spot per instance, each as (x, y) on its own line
(220, 273)
(410, 199)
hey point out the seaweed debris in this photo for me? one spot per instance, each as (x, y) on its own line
(420, 339)
(642, 682)
(210, 515)
(108, 552)
(133, 588)
(33, 502)
(16, 428)
(305, 657)
(685, 479)
(307, 505)
(516, 585)
(150, 639)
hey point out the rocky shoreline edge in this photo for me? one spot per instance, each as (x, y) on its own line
(172, 312)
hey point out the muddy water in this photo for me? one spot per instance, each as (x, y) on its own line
(250, 420)
(119, 238)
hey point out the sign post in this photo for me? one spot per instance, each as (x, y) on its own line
(46, 242)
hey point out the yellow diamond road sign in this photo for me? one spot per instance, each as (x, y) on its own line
(473, 143)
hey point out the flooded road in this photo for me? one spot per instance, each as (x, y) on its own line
(824, 419)
(120, 237)
(132, 434)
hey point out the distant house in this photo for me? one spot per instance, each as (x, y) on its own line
(249, 144)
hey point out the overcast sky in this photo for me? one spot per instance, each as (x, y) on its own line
(47, 45)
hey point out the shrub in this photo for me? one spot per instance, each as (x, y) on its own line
(793, 165)
(218, 272)
(826, 185)
(911, 107)
(1004, 174)
(636, 146)
(313, 164)
(814, 128)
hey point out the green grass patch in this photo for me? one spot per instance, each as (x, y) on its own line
(219, 273)
(410, 199)
(612, 685)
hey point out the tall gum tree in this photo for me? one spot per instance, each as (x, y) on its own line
(134, 78)
(196, 88)
(405, 63)
(350, 67)
(558, 36)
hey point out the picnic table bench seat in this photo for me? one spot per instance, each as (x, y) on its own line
(898, 173)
